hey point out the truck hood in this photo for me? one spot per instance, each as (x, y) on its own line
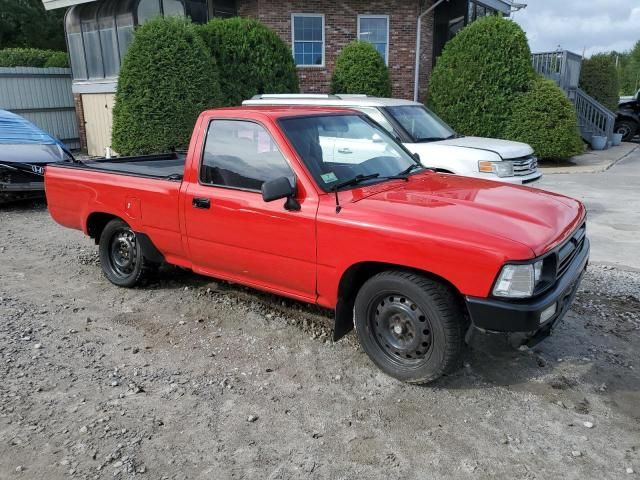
(469, 207)
(505, 148)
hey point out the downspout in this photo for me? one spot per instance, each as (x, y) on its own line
(416, 80)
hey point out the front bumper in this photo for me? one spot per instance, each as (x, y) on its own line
(515, 180)
(493, 315)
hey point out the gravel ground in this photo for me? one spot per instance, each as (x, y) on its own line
(193, 378)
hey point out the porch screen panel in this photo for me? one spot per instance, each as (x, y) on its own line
(91, 38)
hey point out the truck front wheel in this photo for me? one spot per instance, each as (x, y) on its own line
(121, 256)
(410, 326)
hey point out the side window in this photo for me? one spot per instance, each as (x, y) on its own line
(377, 116)
(241, 154)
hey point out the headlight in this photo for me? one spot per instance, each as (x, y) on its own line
(501, 169)
(518, 281)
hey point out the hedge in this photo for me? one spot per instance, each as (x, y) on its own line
(58, 60)
(544, 118)
(33, 57)
(478, 74)
(167, 78)
(360, 69)
(252, 59)
(599, 78)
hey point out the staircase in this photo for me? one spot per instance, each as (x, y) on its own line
(563, 67)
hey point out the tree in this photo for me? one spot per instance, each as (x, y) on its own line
(599, 78)
(360, 69)
(252, 59)
(630, 77)
(167, 78)
(478, 74)
(26, 24)
(544, 118)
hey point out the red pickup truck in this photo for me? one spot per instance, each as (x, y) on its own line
(270, 197)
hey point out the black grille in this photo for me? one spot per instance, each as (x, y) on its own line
(569, 250)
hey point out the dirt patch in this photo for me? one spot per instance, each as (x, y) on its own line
(194, 378)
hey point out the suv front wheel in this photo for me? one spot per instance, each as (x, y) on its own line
(410, 326)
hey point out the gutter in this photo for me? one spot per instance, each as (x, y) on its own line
(416, 79)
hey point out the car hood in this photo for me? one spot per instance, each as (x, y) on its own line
(505, 148)
(534, 218)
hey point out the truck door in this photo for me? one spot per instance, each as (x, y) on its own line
(235, 235)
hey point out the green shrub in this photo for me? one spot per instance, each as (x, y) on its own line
(599, 78)
(58, 60)
(478, 74)
(251, 57)
(544, 118)
(360, 69)
(32, 57)
(167, 78)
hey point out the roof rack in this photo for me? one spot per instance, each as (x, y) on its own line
(321, 96)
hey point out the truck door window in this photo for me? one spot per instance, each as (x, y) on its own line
(241, 154)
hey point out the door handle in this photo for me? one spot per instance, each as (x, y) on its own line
(344, 150)
(199, 202)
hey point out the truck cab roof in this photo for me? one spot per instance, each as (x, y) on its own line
(280, 111)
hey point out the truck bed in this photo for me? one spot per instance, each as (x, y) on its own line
(154, 166)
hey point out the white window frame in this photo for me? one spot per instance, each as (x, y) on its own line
(386, 17)
(293, 38)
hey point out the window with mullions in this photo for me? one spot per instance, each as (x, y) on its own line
(375, 30)
(477, 10)
(308, 39)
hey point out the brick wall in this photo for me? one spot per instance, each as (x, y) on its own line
(341, 27)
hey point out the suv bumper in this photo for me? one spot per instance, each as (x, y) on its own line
(492, 315)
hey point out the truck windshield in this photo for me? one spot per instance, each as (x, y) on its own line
(421, 124)
(339, 148)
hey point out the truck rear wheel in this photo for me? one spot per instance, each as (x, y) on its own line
(627, 128)
(121, 255)
(410, 326)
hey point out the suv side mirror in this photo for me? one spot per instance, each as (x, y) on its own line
(280, 188)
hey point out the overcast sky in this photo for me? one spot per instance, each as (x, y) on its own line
(577, 25)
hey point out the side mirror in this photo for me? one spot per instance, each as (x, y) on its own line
(417, 158)
(280, 188)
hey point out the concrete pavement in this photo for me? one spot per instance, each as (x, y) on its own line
(612, 198)
(591, 161)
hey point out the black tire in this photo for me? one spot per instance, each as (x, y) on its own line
(410, 326)
(627, 128)
(121, 256)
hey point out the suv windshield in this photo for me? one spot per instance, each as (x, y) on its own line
(420, 124)
(340, 148)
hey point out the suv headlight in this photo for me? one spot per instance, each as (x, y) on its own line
(501, 169)
(518, 281)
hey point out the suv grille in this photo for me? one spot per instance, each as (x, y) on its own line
(568, 251)
(524, 166)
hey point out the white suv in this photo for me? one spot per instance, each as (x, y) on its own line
(422, 132)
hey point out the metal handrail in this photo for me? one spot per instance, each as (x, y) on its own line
(593, 117)
(563, 67)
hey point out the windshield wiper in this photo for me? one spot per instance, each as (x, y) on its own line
(404, 175)
(348, 183)
(429, 139)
